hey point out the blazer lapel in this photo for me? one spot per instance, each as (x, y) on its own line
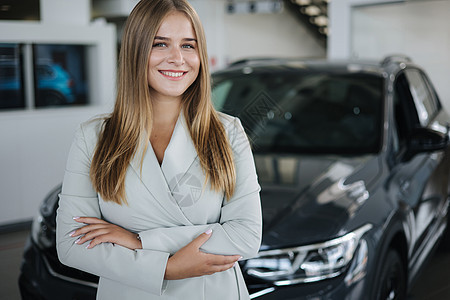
(180, 154)
(153, 179)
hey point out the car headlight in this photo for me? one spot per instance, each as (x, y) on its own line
(42, 233)
(308, 263)
(43, 228)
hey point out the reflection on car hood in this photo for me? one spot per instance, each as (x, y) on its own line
(308, 199)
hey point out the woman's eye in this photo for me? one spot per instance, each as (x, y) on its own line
(188, 46)
(159, 45)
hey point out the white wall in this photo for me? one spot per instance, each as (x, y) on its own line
(66, 11)
(35, 142)
(421, 32)
(376, 28)
(234, 36)
(262, 35)
(340, 25)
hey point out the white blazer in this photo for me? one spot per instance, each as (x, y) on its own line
(169, 206)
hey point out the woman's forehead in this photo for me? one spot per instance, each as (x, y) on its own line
(176, 25)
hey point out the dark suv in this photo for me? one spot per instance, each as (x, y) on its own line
(353, 161)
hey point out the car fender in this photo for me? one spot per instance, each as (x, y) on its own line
(392, 236)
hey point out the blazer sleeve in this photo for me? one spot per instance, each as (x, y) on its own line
(143, 269)
(240, 227)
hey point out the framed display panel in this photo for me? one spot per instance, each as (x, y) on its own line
(20, 10)
(11, 77)
(60, 75)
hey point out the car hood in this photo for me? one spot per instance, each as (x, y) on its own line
(309, 199)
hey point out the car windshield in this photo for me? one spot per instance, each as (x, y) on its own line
(304, 112)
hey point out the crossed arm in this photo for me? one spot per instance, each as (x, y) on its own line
(233, 239)
(189, 261)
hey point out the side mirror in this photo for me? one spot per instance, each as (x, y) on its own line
(426, 140)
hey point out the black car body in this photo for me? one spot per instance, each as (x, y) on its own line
(353, 161)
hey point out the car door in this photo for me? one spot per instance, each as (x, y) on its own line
(420, 178)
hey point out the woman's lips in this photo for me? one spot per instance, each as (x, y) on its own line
(172, 74)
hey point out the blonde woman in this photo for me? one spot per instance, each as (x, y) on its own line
(160, 198)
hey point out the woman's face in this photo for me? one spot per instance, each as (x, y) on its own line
(174, 60)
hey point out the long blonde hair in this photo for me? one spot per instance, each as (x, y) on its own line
(131, 121)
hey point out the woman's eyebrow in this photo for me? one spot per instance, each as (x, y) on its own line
(168, 39)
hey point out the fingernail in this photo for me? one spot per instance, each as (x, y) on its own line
(77, 241)
(240, 258)
(72, 233)
(75, 218)
(208, 232)
(87, 247)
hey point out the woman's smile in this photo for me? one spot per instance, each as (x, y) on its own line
(172, 74)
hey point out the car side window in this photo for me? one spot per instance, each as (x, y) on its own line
(434, 96)
(405, 113)
(425, 102)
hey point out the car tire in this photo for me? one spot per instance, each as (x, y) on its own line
(391, 282)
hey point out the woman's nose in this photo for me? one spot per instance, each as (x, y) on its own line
(176, 56)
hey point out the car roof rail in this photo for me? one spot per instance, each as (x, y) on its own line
(252, 60)
(395, 58)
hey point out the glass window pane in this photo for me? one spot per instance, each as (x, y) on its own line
(423, 99)
(60, 75)
(11, 78)
(304, 112)
(434, 97)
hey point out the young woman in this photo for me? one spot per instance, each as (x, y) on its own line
(160, 198)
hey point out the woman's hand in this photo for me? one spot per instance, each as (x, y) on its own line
(189, 261)
(99, 231)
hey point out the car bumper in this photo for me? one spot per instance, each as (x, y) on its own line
(328, 289)
(39, 281)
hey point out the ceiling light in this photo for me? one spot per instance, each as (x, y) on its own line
(302, 2)
(320, 21)
(311, 10)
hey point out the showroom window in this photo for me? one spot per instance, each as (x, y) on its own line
(405, 112)
(51, 75)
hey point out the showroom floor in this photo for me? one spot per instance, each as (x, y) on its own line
(433, 284)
